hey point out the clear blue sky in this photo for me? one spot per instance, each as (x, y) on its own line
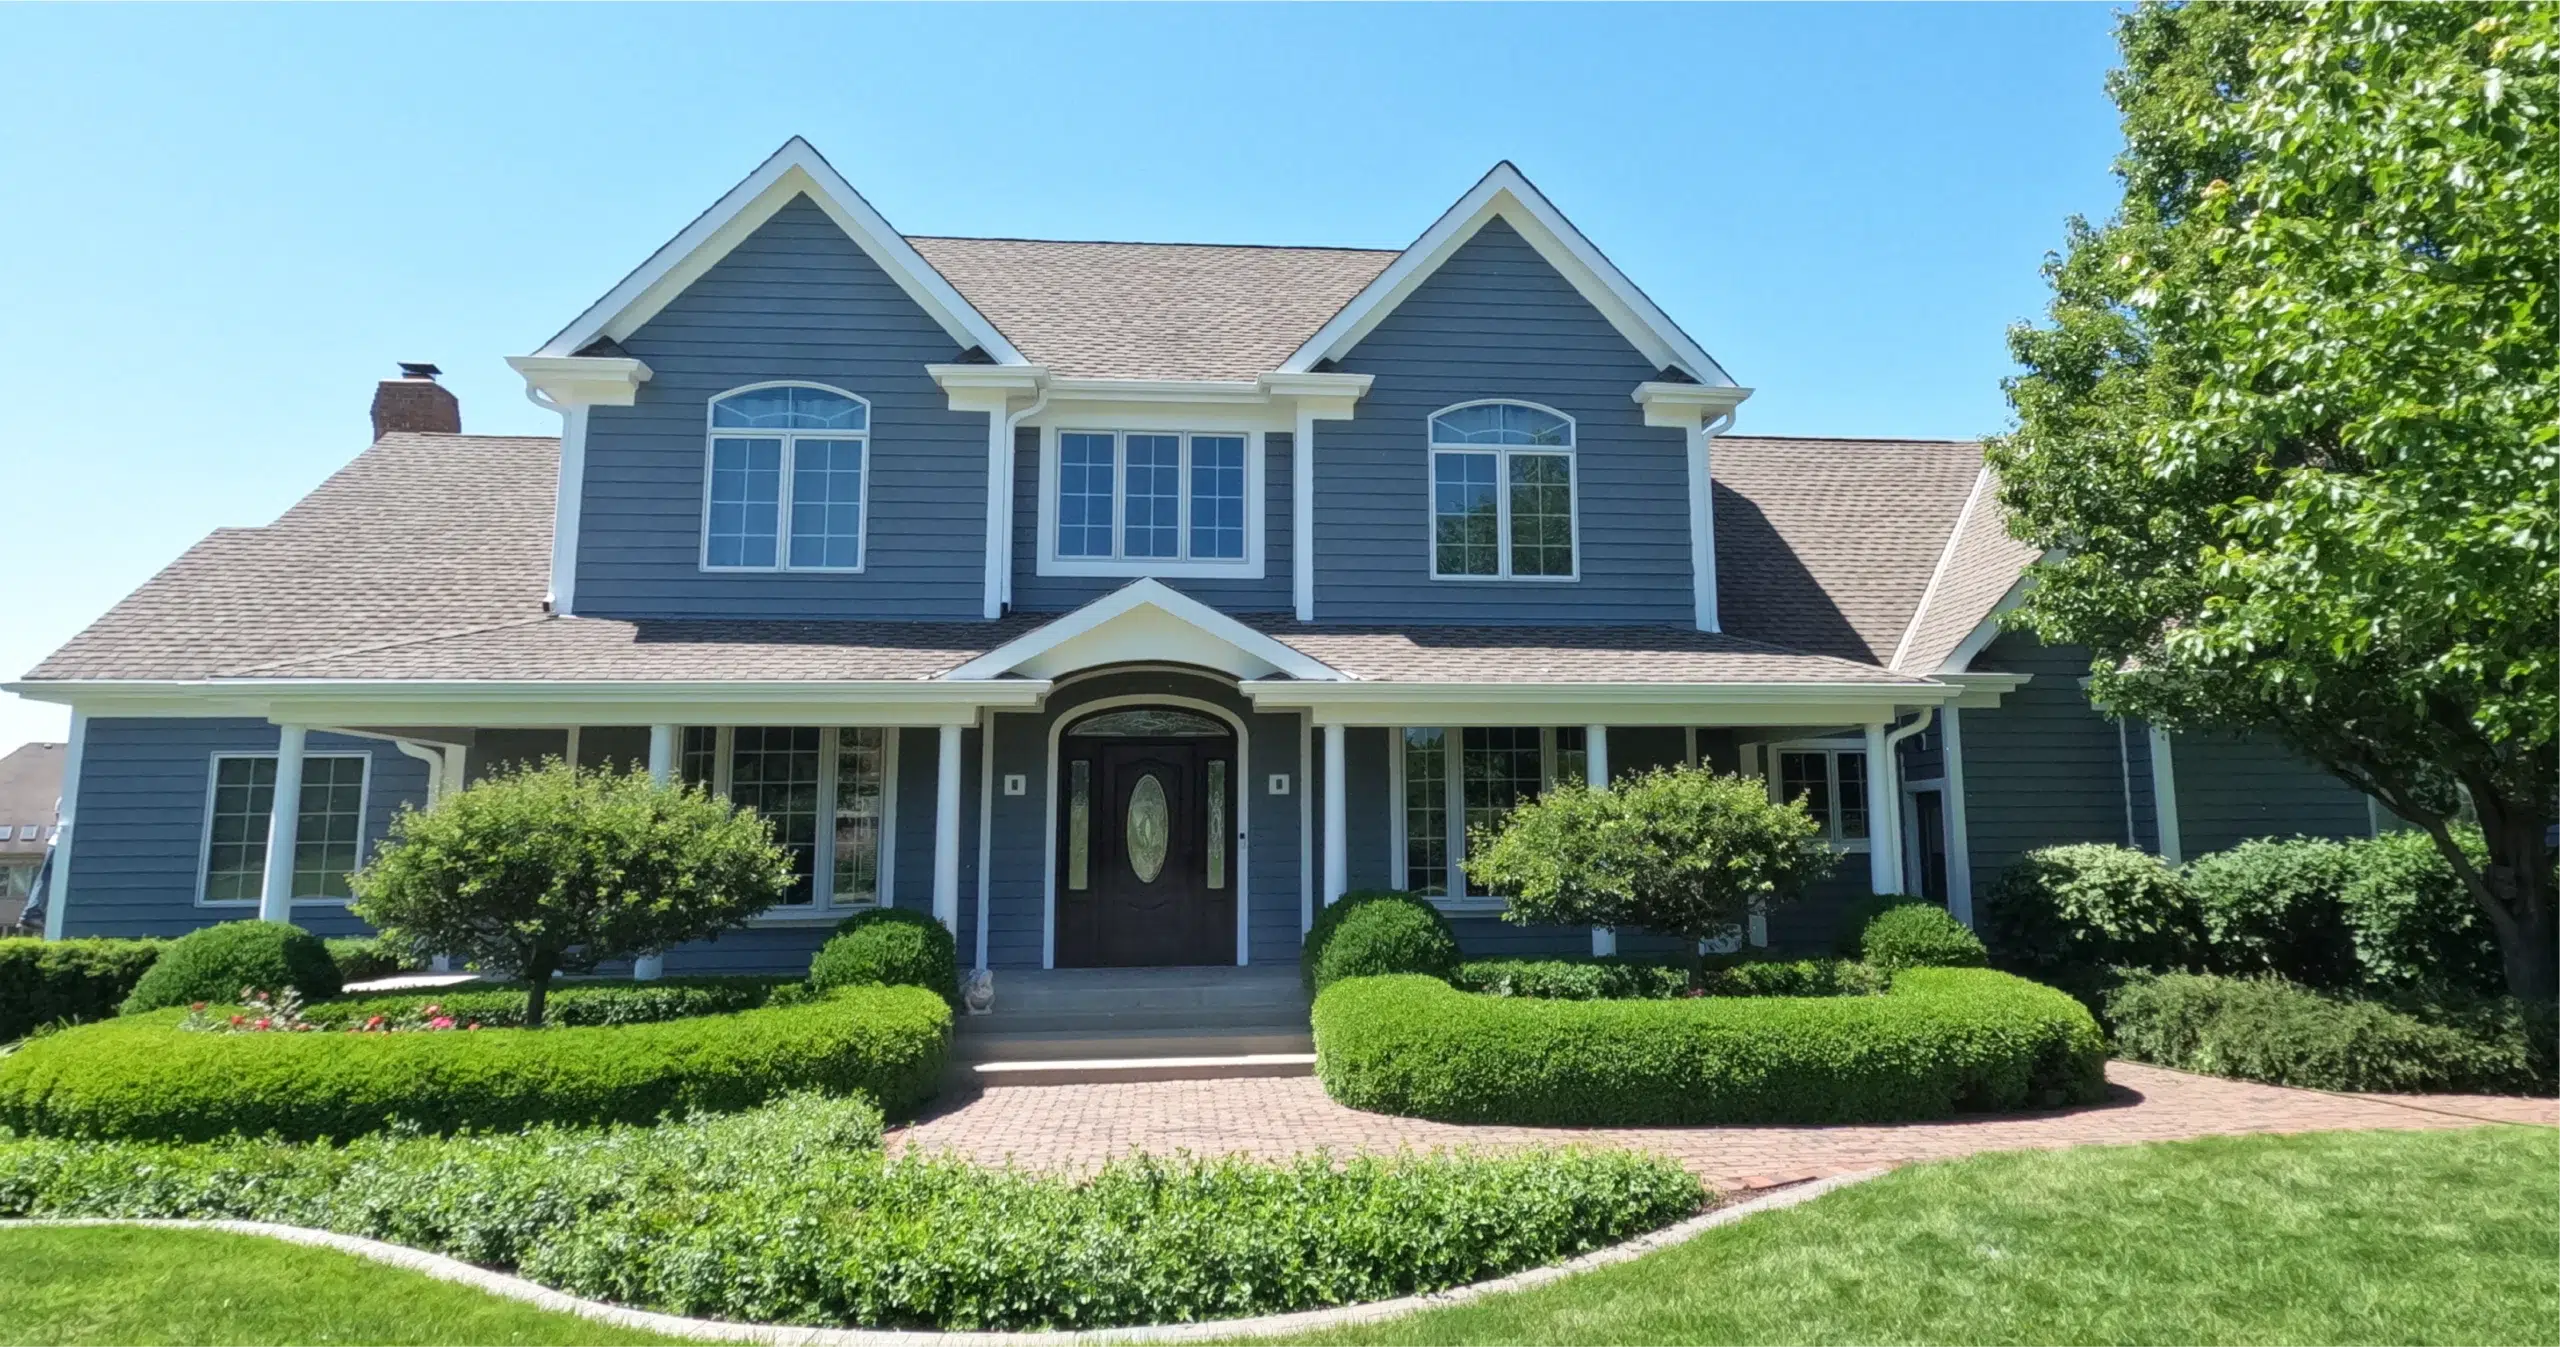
(222, 225)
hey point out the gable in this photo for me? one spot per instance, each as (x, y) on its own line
(792, 173)
(793, 285)
(1496, 296)
(1503, 196)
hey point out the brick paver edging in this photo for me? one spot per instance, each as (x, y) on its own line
(790, 1335)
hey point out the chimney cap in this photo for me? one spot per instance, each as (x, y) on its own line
(418, 369)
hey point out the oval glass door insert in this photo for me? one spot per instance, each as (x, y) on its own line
(1149, 828)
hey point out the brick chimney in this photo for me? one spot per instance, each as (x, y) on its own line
(415, 401)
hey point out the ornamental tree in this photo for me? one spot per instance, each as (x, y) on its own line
(2291, 435)
(1682, 851)
(553, 870)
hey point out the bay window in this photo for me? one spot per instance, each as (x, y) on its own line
(1502, 487)
(826, 791)
(1455, 781)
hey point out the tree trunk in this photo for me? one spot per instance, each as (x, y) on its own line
(537, 990)
(2514, 893)
(1697, 963)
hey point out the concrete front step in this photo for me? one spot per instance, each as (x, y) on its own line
(1128, 1070)
(1121, 989)
(1196, 1019)
(1071, 1045)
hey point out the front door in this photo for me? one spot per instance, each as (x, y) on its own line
(1146, 849)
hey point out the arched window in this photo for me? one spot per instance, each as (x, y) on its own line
(787, 466)
(1502, 493)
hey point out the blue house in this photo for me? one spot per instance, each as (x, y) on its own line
(1119, 604)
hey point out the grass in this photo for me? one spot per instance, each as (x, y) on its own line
(2343, 1237)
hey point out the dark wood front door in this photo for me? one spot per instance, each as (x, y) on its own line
(1140, 882)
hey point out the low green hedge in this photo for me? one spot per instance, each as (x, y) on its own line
(791, 1214)
(46, 982)
(500, 1005)
(1610, 979)
(1942, 1041)
(2265, 1029)
(144, 1077)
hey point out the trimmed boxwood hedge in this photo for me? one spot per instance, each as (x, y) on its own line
(144, 1077)
(500, 1005)
(67, 981)
(217, 963)
(1371, 931)
(1942, 1041)
(890, 947)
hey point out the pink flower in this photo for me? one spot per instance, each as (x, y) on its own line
(441, 1022)
(373, 1023)
(473, 1025)
(265, 1023)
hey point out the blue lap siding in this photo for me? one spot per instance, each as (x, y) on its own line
(137, 842)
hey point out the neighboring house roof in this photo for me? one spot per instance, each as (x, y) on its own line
(426, 558)
(1827, 546)
(30, 792)
(1153, 310)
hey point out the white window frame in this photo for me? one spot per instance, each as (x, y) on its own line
(212, 786)
(1570, 453)
(1247, 567)
(712, 434)
(1773, 773)
(1459, 897)
(823, 907)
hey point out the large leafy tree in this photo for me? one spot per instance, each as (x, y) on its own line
(2292, 431)
(549, 869)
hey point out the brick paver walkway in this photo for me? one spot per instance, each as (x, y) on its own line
(1078, 1126)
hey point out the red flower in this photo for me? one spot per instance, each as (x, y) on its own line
(198, 1006)
(265, 1023)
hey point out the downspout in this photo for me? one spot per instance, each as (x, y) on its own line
(433, 758)
(1012, 429)
(1892, 766)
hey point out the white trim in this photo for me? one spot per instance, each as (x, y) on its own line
(1243, 863)
(1506, 193)
(65, 814)
(1302, 515)
(2164, 796)
(1337, 813)
(539, 704)
(204, 841)
(1047, 560)
(787, 465)
(1772, 774)
(560, 382)
(1938, 573)
(1701, 442)
(2124, 772)
(794, 170)
(946, 828)
(1146, 593)
(284, 826)
(1305, 787)
(986, 831)
(1595, 774)
(1989, 628)
(1502, 455)
(1894, 836)
(1882, 863)
(568, 501)
(1959, 832)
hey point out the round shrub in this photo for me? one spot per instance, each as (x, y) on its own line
(217, 963)
(2066, 914)
(1919, 935)
(2277, 907)
(1943, 1041)
(890, 947)
(2415, 926)
(1377, 931)
(144, 1078)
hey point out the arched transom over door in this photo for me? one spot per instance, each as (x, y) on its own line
(1146, 839)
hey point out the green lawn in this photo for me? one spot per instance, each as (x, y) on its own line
(2371, 1237)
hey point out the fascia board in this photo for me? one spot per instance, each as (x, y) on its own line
(1144, 592)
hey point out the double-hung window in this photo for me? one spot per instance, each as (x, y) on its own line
(1456, 782)
(1832, 782)
(1130, 502)
(787, 471)
(1502, 482)
(826, 791)
(328, 839)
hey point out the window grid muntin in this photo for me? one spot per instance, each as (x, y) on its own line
(1556, 541)
(859, 807)
(1834, 784)
(239, 812)
(1151, 502)
(775, 770)
(767, 536)
(1426, 806)
(1442, 794)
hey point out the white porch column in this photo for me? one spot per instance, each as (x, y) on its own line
(1884, 860)
(57, 890)
(1337, 815)
(946, 831)
(1595, 771)
(2164, 796)
(662, 769)
(284, 824)
(1959, 833)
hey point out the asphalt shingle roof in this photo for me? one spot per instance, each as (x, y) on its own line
(1153, 310)
(427, 558)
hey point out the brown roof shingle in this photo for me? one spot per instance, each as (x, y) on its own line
(1153, 310)
(1563, 655)
(1982, 564)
